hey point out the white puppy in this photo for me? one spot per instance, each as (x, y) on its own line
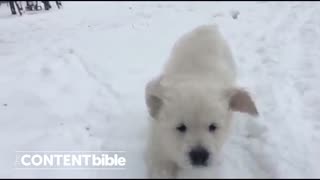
(191, 103)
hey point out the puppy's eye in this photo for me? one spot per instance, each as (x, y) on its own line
(212, 127)
(182, 128)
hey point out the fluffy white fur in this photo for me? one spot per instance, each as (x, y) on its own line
(196, 88)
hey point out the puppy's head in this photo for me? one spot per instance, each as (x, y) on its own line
(192, 122)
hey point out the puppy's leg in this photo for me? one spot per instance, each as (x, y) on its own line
(158, 165)
(162, 169)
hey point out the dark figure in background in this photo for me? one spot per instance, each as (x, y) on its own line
(47, 5)
(13, 9)
(58, 4)
(29, 6)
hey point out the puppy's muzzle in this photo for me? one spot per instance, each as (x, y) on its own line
(199, 156)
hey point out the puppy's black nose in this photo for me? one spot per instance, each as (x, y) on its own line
(199, 156)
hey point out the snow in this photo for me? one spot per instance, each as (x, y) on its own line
(73, 79)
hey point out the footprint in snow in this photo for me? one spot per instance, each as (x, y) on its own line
(45, 71)
(71, 51)
(234, 14)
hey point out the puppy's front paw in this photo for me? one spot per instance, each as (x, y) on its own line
(163, 172)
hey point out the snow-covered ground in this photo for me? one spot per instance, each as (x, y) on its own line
(73, 79)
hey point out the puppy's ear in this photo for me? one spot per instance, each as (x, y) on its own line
(153, 97)
(240, 100)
